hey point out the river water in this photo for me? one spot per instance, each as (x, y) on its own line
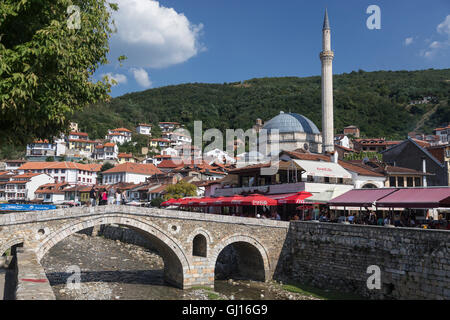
(112, 270)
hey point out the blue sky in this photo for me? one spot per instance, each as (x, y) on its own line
(216, 41)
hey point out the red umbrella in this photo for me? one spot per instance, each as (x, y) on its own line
(220, 201)
(258, 200)
(193, 202)
(168, 202)
(296, 198)
(229, 201)
(206, 201)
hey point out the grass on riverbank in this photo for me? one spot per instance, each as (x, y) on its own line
(210, 293)
(307, 290)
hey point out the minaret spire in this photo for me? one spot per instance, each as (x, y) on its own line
(326, 57)
(326, 23)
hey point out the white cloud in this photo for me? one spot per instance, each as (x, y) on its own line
(444, 27)
(141, 77)
(408, 41)
(119, 78)
(439, 47)
(151, 35)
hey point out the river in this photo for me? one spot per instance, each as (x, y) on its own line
(112, 270)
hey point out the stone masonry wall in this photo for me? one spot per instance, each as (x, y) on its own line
(414, 263)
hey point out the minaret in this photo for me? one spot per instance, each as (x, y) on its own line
(326, 56)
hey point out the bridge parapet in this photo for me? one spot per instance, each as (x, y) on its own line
(78, 212)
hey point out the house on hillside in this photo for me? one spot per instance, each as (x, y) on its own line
(144, 128)
(22, 187)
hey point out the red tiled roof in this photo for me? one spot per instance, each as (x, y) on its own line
(73, 133)
(109, 144)
(26, 175)
(145, 125)
(53, 188)
(160, 140)
(121, 130)
(15, 161)
(125, 155)
(37, 165)
(421, 143)
(139, 168)
(81, 140)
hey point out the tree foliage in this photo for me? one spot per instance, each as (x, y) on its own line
(46, 67)
(180, 190)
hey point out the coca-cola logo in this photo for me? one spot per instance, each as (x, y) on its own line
(259, 202)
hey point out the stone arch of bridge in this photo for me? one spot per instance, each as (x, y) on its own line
(9, 244)
(176, 261)
(249, 248)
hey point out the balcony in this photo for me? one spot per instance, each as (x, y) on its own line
(267, 189)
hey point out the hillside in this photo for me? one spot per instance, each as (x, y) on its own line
(377, 102)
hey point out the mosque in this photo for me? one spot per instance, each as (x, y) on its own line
(297, 131)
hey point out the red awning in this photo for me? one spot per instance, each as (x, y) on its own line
(296, 198)
(417, 198)
(361, 197)
(228, 201)
(258, 200)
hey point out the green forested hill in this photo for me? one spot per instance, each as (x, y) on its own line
(377, 102)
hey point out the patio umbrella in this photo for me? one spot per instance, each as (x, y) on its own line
(296, 198)
(258, 200)
(206, 201)
(168, 202)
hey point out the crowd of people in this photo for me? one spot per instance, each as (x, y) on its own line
(103, 197)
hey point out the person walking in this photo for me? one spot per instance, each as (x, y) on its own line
(118, 197)
(104, 197)
(111, 195)
(124, 197)
(93, 196)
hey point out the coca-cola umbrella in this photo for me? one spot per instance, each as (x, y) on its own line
(258, 200)
(229, 201)
(296, 198)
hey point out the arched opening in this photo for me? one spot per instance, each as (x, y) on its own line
(8, 262)
(174, 259)
(369, 186)
(199, 246)
(240, 260)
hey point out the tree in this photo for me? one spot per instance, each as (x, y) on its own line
(46, 64)
(180, 190)
(105, 166)
(157, 202)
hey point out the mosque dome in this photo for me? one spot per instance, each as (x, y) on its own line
(291, 122)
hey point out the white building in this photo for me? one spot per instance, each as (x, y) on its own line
(169, 152)
(144, 128)
(178, 138)
(13, 165)
(70, 172)
(169, 126)
(23, 186)
(107, 151)
(129, 173)
(52, 193)
(119, 135)
(217, 155)
(342, 140)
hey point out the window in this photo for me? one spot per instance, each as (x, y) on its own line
(340, 180)
(409, 181)
(326, 179)
(400, 182)
(417, 181)
(392, 182)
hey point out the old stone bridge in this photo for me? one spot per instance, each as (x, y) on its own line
(188, 242)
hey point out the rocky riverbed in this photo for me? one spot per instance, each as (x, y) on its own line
(112, 270)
